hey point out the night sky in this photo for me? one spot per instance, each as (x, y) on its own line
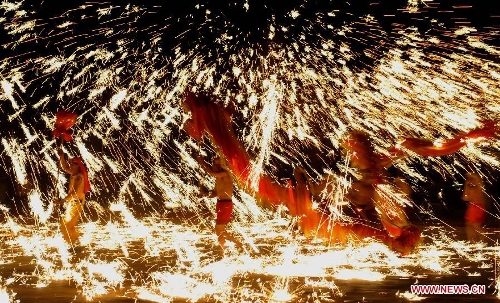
(250, 23)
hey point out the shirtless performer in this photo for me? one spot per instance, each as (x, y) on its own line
(370, 195)
(75, 198)
(362, 193)
(223, 191)
(475, 215)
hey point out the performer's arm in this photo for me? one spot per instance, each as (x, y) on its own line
(62, 161)
(209, 170)
(317, 188)
(221, 173)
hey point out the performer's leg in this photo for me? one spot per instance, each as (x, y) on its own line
(220, 231)
(69, 222)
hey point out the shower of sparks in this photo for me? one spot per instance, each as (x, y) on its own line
(297, 96)
(169, 261)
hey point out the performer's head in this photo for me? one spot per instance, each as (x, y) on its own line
(219, 163)
(473, 188)
(75, 165)
(359, 149)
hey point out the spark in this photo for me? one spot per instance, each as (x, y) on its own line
(8, 90)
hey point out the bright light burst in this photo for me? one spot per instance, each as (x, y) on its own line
(297, 91)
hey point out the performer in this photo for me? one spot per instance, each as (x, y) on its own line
(475, 215)
(223, 191)
(364, 193)
(75, 198)
(374, 196)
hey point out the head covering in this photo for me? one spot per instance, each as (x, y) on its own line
(83, 170)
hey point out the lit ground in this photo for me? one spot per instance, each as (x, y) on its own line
(155, 259)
